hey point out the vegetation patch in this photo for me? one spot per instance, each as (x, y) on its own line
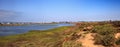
(105, 35)
(35, 38)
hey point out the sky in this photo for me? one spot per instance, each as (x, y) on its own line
(58, 10)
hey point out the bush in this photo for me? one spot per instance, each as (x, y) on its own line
(104, 35)
(118, 41)
(108, 40)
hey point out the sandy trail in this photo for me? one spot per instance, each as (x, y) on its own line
(88, 41)
(117, 35)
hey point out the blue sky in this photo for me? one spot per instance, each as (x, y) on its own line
(59, 10)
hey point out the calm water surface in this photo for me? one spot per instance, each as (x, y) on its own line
(12, 30)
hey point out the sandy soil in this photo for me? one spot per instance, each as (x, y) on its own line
(117, 35)
(88, 41)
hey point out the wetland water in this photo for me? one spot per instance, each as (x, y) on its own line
(12, 30)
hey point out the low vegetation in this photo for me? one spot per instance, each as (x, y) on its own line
(103, 33)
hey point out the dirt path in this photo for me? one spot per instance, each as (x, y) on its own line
(87, 41)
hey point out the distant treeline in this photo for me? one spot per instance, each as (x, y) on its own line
(114, 23)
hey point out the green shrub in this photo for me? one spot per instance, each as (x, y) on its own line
(104, 35)
(108, 40)
(118, 41)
